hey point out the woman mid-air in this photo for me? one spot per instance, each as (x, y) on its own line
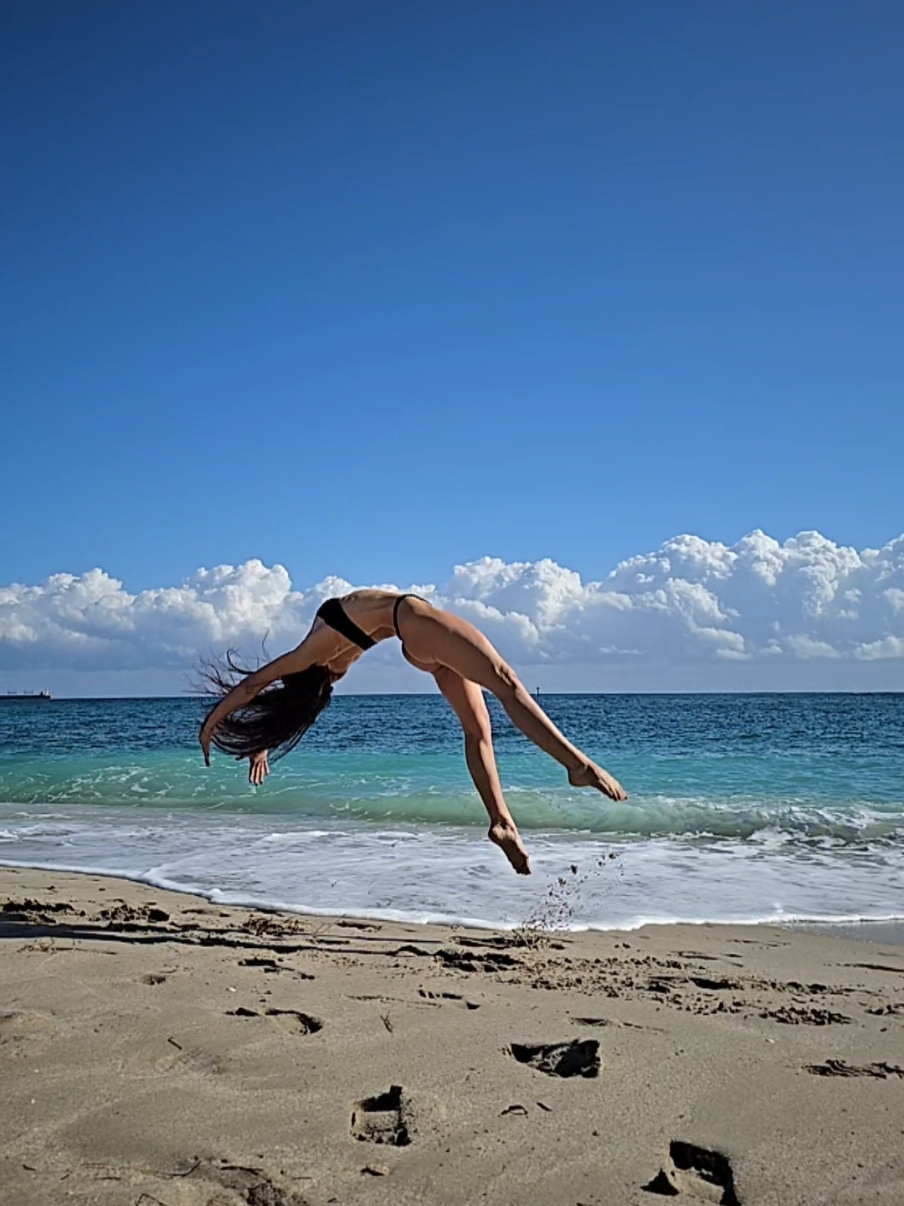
(255, 717)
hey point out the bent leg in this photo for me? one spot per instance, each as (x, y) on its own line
(438, 636)
(467, 701)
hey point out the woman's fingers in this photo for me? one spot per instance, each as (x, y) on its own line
(613, 788)
(258, 769)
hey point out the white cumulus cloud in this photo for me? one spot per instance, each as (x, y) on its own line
(691, 601)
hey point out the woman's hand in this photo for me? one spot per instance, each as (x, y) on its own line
(259, 768)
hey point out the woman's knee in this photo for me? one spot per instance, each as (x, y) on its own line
(508, 684)
(478, 736)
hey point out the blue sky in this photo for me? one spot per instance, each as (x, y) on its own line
(375, 289)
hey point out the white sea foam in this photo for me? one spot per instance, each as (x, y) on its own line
(452, 874)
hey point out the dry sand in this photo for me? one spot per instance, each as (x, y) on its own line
(157, 1049)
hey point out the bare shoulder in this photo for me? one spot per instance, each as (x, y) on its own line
(319, 646)
(320, 638)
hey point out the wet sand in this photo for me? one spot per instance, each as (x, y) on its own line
(159, 1049)
(889, 932)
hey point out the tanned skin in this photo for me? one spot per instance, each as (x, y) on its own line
(462, 661)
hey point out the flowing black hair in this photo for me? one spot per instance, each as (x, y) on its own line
(276, 719)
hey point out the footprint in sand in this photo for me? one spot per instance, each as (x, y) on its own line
(290, 1019)
(153, 978)
(446, 996)
(253, 1185)
(840, 1067)
(385, 1118)
(580, 1057)
(697, 1173)
(806, 1015)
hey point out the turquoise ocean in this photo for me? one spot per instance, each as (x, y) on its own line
(742, 808)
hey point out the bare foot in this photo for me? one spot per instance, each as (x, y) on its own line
(592, 775)
(508, 839)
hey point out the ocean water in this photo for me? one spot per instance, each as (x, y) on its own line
(742, 808)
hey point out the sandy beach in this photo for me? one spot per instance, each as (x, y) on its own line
(159, 1049)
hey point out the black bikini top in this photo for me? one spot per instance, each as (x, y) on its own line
(334, 615)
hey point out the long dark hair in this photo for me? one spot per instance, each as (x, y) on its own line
(276, 719)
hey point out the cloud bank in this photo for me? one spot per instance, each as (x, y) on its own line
(691, 603)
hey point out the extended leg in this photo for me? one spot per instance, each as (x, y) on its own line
(436, 636)
(468, 704)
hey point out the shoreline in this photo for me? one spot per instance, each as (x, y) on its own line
(159, 1047)
(863, 929)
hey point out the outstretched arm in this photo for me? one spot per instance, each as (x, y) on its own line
(318, 646)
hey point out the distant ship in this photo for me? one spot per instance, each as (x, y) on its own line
(26, 695)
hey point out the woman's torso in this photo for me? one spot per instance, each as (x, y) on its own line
(373, 611)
